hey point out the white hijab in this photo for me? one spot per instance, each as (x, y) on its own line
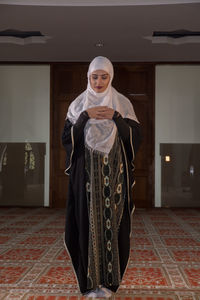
(100, 134)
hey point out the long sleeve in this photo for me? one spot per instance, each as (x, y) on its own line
(78, 128)
(130, 133)
(73, 138)
(124, 125)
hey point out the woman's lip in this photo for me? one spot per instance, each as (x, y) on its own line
(98, 87)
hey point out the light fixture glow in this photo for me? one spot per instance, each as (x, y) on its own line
(167, 158)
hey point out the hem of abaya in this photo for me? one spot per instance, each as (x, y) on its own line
(129, 249)
(72, 263)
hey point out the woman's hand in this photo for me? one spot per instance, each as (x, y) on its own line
(100, 112)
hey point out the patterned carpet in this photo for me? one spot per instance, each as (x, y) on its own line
(164, 262)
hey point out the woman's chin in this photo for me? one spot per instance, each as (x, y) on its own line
(99, 90)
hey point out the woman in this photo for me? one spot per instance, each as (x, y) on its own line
(101, 136)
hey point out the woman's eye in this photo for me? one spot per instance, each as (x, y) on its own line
(94, 77)
(104, 77)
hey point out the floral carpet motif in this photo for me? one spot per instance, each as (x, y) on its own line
(164, 259)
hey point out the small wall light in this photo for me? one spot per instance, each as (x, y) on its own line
(167, 158)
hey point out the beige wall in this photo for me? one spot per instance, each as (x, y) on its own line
(177, 109)
(25, 107)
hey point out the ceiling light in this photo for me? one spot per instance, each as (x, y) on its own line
(176, 34)
(176, 37)
(21, 37)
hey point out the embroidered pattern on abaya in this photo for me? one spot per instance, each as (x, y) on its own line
(105, 188)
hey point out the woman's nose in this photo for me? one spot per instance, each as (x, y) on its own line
(99, 80)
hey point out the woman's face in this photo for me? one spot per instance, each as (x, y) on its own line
(99, 80)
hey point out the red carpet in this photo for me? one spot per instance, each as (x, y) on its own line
(164, 262)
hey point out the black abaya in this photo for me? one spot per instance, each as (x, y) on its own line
(77, 219)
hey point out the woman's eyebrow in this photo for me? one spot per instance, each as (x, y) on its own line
(100, 75)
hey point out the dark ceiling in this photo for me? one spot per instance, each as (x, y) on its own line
(74, 31)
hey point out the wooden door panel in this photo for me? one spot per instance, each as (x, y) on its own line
(135, 81)
(62, 160)
(59, 194)
(141, 162)
(140, 191)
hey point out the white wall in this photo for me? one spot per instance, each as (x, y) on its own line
(25, 107)
(177, 111)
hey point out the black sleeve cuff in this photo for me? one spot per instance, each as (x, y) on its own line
(83, 117)
(116, 115)
(82, 120)
(122, 126)
(78, 127)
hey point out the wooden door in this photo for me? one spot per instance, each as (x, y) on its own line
(136, 81)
